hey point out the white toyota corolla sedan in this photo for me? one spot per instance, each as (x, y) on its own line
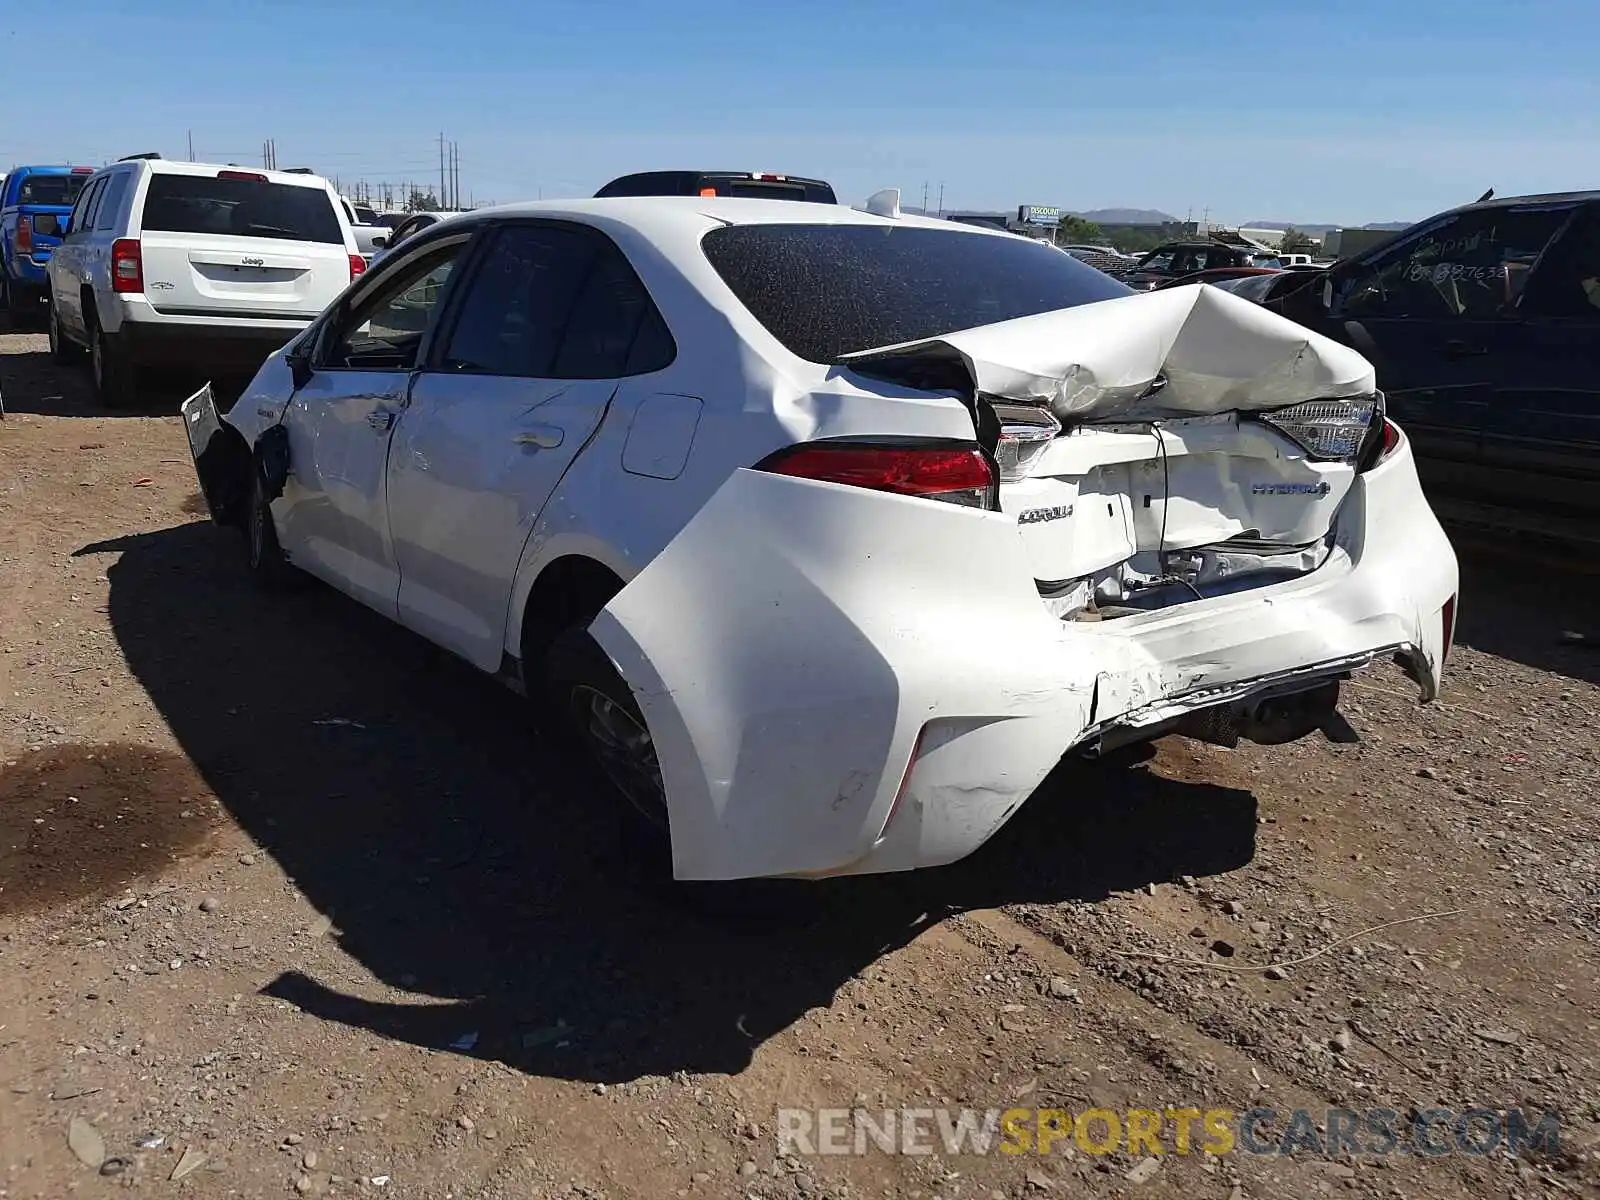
(832, 531)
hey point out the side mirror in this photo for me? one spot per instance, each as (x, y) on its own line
(378, 243)
(48, 225)
(299, 363)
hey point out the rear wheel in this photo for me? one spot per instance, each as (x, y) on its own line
(596, 704)
(62, 351)
(116, 379)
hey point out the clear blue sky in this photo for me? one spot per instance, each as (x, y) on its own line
(1349, 112)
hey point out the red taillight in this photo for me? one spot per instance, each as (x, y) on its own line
(1391, 438)
(127, 265)
(250, 176)
(24, 235)
(357, 265)
(1448, 620)
(83, 170)
(958, 474)
(708, 191)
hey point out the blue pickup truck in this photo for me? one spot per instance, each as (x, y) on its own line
(34, 205)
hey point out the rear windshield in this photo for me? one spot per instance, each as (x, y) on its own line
(763, 189)
(240, 207)
(50, 189)
(828, 290)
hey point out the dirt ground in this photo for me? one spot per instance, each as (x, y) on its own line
(290, 904)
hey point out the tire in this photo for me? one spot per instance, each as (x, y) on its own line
(269, 569)
(587, 695)
(63, 352)
(577, 676)
(116, 379)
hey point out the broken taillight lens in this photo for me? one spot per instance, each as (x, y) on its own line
(1327, 430)
(955, 473)
(1026, 431)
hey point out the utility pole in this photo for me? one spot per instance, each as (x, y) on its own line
(191, 145)
(924, 197)
(441, 170)
(455, 175)
(941, 198)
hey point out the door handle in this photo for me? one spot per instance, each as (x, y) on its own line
(1456, 348)
(381, 419)
(542, 437)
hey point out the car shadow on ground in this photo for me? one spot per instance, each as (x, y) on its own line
(31, 383)
(1541, 609)
(464, 856)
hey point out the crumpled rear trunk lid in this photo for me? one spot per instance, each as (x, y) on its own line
(1160, 447)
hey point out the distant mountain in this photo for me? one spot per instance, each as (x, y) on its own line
(1127, 216)
(1317, 230)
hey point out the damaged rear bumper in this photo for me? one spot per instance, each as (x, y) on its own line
(839, 681)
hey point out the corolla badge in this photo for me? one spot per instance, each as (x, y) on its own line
(1320, 488)
(1032, 516)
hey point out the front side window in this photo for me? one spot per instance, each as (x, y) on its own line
(1471, 266)
(384, 330)
(827, 290)
(240, 206)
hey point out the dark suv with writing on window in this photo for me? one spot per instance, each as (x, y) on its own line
(1484, 326)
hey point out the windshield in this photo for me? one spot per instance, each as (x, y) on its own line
(827, 290)
(241, 207)
(50, 189)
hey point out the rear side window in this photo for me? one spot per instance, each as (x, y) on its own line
(50, 189)
(111, 202)
(604, 327)
(1567, 283)
(514, 313)
(240, 208)
(554, 302)
(828, 290)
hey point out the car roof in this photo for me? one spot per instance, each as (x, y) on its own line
(1511, 201)
(667, 216)
(173, 166)
(46, 169)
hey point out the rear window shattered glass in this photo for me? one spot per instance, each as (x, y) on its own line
(828, 290)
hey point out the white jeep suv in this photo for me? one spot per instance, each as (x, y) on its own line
(193, 264)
